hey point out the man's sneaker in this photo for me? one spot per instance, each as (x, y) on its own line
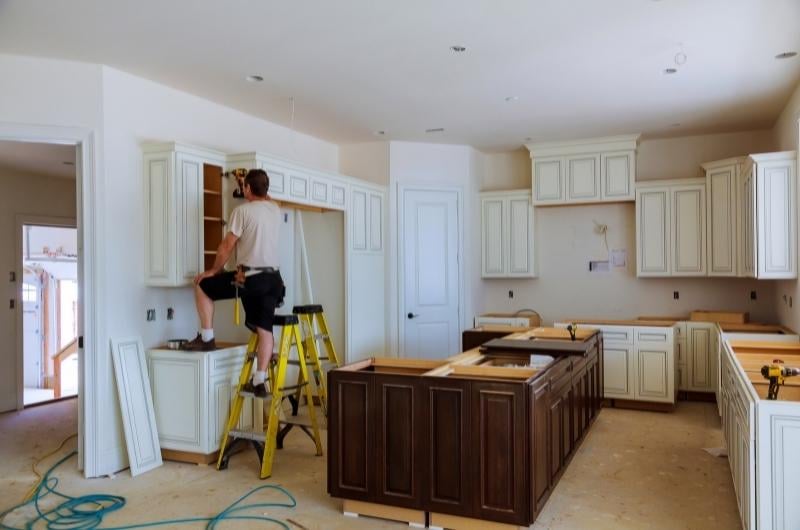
(198, 344)
(259, 391)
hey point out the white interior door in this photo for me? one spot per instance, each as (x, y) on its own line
(430, 247)
(31, 333)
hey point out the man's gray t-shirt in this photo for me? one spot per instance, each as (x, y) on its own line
(257, 225)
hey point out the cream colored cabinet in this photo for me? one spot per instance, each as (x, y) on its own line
(722, 207)
(618, 370)
(670, 228)
(747, 223)
(507, 243)
(367, 219)
(174, 216)
(776, 214)
(702, 354)
(584, 171)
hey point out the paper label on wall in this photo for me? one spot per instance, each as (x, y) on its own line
(619, 257)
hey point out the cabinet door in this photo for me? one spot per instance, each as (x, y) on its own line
(492, 248)
(448, 481)
(190, 216)
(583, 177)
(351, 436)
(375, 222)
(160, 236)
(721, 209)
(617, 175)
(652, 378)
(653, 231)
(499, 438)
(548, 179)
(399, 440)
(776, 220)
(359, 219)
(278, 181)
(747, 224)
(540, 443)
(557, 454)
(618, 365)
(179, 401)
(688, 231)
(520, 240)
(701, 357)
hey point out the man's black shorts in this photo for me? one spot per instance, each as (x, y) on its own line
(261, 294)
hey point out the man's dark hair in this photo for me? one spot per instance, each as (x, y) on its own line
(258, 180)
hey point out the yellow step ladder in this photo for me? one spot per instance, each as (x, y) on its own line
(266, 442)
(309, 315)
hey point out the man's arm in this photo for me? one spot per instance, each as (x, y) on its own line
(224, 250)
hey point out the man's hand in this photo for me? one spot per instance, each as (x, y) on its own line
(202, 276)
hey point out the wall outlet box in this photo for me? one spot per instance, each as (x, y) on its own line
(151, 315)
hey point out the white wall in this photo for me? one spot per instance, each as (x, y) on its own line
(367, 161)
(31, 195)
(565, 241)
(787, 138)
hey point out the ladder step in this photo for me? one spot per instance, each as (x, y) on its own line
(253, 396)
(256, 436)
(294, 387)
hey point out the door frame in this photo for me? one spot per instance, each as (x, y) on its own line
(21, 220)
(400, 253)
(89, 195)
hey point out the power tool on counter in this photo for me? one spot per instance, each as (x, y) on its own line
(777, 373)
(573, 330)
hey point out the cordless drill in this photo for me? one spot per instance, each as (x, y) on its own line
(777, 373)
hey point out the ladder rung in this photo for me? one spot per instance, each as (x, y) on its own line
(300, 422)
(253, 396)
(321, 336)
(294, 387)
(256, 436)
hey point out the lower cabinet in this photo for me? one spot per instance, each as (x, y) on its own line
(701, 356)
(482, 448)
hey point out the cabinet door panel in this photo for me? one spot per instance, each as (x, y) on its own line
(548, 179)
(448, 478)
(500, 438)
(701, 363)
(617, 363)
(689, 231)
(190, 216)
(721, 200)
(399, 423)
(583, 177)
(493, 251)
(351, 437)
(375, 222)
(160, 231)
(519, 248)
(360, 219)
(556, 436)
(776, 220)
(617, 175)
(652, 381)
(652, 232)
(540, 443)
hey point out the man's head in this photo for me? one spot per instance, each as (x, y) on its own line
(256, 184)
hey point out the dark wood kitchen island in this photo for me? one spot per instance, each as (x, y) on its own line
(482, 436)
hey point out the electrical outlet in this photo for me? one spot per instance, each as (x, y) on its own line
(753, 295)
(510, 293)
(12, 276)
(790, 301)
(170, 313)
(151, 315)
(676, 295)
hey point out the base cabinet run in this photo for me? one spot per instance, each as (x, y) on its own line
(481, 448)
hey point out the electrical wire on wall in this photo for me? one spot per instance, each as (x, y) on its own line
(602, 229)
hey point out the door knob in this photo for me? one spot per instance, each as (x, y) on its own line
(412, 315)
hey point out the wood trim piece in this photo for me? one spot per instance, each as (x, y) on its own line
(455, 522)
(382, 511)
(189, 458)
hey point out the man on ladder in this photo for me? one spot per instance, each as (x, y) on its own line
(253, 234)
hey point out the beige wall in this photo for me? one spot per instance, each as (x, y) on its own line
(565, 242)
(31, 195)
(368, 161)
(787, 138)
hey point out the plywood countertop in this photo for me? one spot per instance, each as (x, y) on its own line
(756, 328)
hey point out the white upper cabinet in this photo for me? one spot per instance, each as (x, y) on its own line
(366, 220)
(584, 171)
(174, 216)
(507, 235)
(670, 228)
(752, 216)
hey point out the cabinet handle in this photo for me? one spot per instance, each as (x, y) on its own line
(412, 315)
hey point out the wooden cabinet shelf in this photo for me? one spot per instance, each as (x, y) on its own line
(453, 440)
(212, 192)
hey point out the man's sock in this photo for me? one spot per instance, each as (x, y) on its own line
(259, 376)
(207, 334)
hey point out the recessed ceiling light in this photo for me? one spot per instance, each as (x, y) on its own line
(436, 130)
(254, 78)
(379, 133)
(458, 49)
(675, 125)
(512, 98)
(68, 163)
(786, 55)
(670, 71)
(528, 138)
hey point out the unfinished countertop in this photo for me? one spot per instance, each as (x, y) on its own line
(622, 322)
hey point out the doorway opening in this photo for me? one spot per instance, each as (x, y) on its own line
(49, 312)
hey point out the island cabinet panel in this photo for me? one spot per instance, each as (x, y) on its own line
(351, 437)
(540, 444)
(449, 480)
(499, 437)
(400, 421)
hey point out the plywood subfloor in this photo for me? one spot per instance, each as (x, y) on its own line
(636, 470)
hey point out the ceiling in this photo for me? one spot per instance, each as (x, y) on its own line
(38, 159)
(578, 68)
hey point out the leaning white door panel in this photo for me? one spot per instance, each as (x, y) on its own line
(430, 273)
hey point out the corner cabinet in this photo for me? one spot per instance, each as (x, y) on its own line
(671, 228)
(175, 220)
(584, 171)
(752, 216)
(507, 243)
